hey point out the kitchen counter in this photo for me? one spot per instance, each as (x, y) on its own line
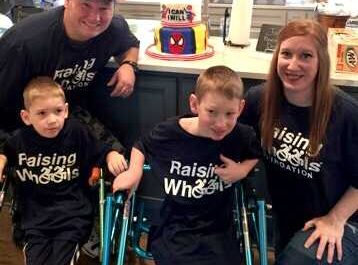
(247, 62)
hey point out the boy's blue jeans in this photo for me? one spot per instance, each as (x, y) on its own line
(296, 254)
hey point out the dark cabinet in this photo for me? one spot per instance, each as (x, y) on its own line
(353, 91)
(186, 86)
(154, 99)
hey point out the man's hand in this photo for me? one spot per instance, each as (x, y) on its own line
(116, 163)
(3, 161)
(329, 232)
(123, 81)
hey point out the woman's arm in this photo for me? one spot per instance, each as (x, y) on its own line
(346, 206)
(329, 229)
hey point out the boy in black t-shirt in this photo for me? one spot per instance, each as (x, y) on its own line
(197, 159)
(52, 158)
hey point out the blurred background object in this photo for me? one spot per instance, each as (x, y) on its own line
(332, 21)
(240, 23)
(5, 23)
(6, 6)
(270, 2)
(335, 13)
(352, 22)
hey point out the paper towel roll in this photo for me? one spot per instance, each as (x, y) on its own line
(240, 22)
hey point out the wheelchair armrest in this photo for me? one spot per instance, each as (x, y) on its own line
(146, 167)
(96, 174)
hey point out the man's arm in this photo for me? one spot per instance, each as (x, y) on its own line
(130, 55)
(15, 70)
(124, 78)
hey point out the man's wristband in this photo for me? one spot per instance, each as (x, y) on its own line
(131, 63)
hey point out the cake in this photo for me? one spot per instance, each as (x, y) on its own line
(181, 33)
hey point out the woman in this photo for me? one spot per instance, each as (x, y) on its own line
(309, 134)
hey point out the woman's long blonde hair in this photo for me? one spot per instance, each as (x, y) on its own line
(322, 96)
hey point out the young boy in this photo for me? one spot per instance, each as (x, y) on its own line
(198, 158)
(52, 158)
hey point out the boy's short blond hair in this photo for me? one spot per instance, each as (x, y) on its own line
(219, 79)
(41, 87)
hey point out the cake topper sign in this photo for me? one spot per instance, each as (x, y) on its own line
(177, 12)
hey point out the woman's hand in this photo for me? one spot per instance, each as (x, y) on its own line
(329, 231)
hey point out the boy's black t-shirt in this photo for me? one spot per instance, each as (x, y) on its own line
(304, 187)
(196, 215)
(39, 46)
(52, 180)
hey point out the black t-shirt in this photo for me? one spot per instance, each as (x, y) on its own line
(196, 215)
(304, 187)
(38, 45)
(52, 180)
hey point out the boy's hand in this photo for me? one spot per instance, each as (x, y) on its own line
(230, 171)
(116, 163)
(3, 161)
(119, 182)
(130, 178)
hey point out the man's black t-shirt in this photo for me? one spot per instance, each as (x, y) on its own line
(38, 45)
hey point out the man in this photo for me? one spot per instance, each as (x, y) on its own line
(71, 43)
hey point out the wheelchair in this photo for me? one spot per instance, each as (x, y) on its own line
(124, 221)
(3, 190)
(9, 196)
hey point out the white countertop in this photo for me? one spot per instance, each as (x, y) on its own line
(246, 61)
(275, 7)
(287, 6)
